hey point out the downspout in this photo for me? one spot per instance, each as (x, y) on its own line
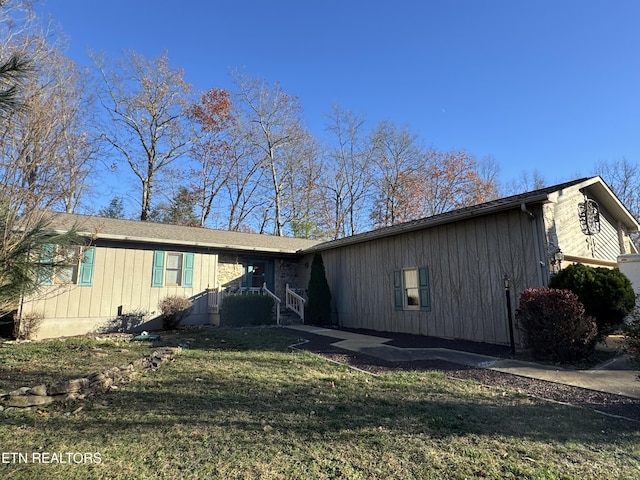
(536, 238)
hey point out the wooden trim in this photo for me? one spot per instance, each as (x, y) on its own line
(590, 261)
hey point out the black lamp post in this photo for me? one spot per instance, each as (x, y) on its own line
(507, 291)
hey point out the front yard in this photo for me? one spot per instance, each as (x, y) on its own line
(239, 404)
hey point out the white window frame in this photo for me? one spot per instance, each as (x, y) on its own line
(406, 288)
(178, 271)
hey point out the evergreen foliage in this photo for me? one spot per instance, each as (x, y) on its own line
(607, 294)
(319, 306)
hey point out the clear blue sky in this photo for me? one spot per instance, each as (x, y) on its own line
(550, 85)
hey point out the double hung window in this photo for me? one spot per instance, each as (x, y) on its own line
(411, 289)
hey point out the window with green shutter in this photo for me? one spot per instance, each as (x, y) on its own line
(172, 269)
(411, 289)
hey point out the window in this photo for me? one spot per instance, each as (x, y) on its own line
(64, 265)
(172, 269)
(411, 289)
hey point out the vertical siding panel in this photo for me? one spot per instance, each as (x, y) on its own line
(427, 247)
(496, 271)
(129, 281)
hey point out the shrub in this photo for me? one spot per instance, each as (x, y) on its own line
(607, 294)
(174, 309)
(319, 305)
(555, 325)
(243, 310)
(26, 326)
(632, 333)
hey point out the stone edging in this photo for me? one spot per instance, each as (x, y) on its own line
(91, 385)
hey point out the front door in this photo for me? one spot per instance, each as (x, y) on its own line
(258, 272)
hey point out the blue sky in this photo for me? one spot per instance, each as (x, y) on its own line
(539, 85)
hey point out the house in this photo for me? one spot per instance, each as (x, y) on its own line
(129, 266)
(444, 276)
(440, 276)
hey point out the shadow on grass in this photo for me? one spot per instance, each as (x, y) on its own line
(332, 407)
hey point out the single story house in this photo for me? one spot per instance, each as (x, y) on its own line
(128, 266)
(440, 276)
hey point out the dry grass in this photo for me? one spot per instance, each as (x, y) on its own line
(238, 404)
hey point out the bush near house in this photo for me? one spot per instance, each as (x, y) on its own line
(319, 305)
(244, 310)
(555, 325)
(607, 294)
(174, 309)
(632, 333)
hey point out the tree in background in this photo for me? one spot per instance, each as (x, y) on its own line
(24, 195)
(348, 175)
(148, 103)
(212, 150)
(319, 305)
(178, 211)
(271, 121)
(623, 176)
(115, 209)
(396, 157)
(447, 181)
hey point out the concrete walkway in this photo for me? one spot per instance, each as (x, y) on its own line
(616, 376)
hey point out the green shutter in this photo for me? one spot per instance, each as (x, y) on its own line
(85, 276)
(397, 290)
(187, 270)
(45, 272)
(158, 268)
(425, 294)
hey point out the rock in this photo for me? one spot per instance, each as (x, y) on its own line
(28, 400)
(69, 386)
(20, 391)
(40, 390)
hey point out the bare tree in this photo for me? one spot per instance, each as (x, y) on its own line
(524, 183)
(447, 181)
(27, 162)
(273, 124)
(349, 175)
(212, 150)
(623, 176)
(148, 103)
(397, 156)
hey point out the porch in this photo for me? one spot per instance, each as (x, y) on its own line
(294, 300)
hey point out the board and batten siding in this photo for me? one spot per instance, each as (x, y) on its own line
(122, 277)
(467, 261)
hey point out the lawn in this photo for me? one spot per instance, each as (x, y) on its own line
(240, 404)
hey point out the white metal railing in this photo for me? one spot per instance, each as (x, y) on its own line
(275, 299)
(294, 302)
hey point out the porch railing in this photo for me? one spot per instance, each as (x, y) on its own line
(294, 302)
(275, 299)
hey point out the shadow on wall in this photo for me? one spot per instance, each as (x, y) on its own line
(138, 320)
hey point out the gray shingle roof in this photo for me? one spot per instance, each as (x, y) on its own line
(158, 233)
(596, 186)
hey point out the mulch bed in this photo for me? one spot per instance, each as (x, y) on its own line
(607, 403)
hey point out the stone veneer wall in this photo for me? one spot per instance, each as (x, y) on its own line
(229, 271)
